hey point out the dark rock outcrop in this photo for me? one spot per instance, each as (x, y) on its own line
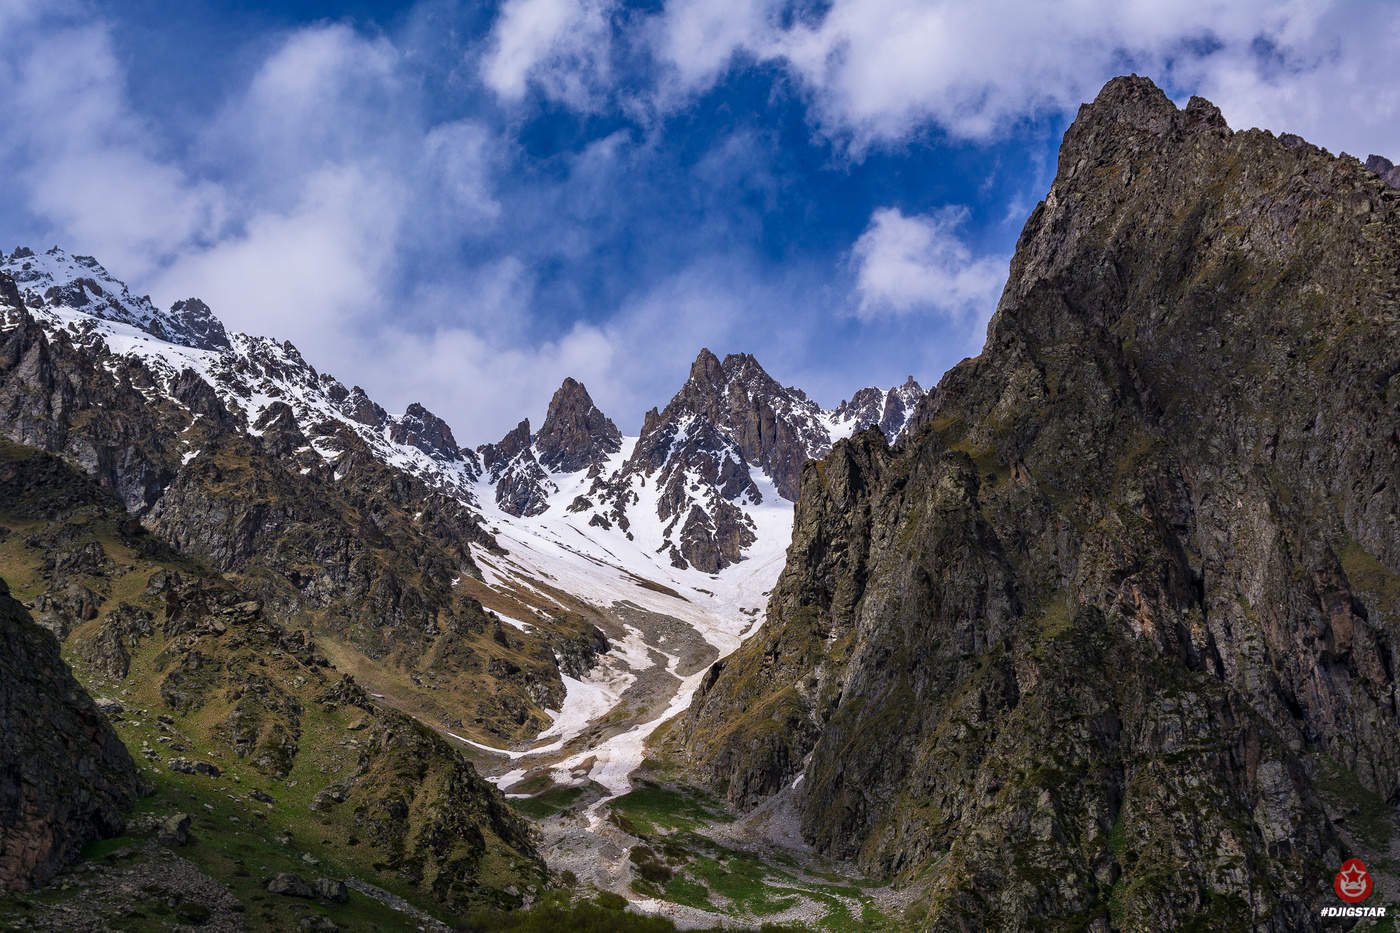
(771, 426)
(65, 778)
(192, 323)
(728, 418)
(422, 429)
(1387, 170)
(241, 685)
(1112, 635)
(522, 486)
(575, 434)
(373, 547)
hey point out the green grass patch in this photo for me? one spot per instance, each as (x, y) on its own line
(549, 803)
(653, 810)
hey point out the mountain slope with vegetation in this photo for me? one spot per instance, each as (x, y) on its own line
(1109, 640)
(222, 705)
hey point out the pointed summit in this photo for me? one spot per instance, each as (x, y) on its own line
(707, 369)
(191, 322)
(899, 408)
(889, 409)
(522, 487)
(575, 434)
(422, 429)
(497, 455)
(1386, 169)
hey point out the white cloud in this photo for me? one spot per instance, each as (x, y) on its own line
(300, 273)
(83, 159)
(454, 370)
(878, 71)
(560, 45)
(917, 263)
(697, 39)
(328, 212)
(1336, 82)
(323, 95)
(459, 158)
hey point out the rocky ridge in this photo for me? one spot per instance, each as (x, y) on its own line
(1387, 170)
(1111, 636)
(325, 507)
(235, 700)
(65, 778)
(729, 432)
(890, 410)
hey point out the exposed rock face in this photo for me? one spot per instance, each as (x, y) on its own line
(422, 429)
(729, 418)
(1113, 634)
(770, 426)
(243, 685)
(707, 450)
(191, 322)
(252, 461)
(65, 778)
(522, 485)
(890, 409)
(57, 279)
(575, 434)
(1389, 172)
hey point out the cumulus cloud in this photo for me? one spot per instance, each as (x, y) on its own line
(301, 272)
(340, 181)
(906, 264)
(879, 71)
(84, 159)
(560, 45)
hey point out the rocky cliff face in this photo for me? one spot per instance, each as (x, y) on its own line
(1111, 637)
(65, 778)
(575, 434)
(247, 458)
(231, 684)
(730, 423)
(1387, 170)
(522, 486)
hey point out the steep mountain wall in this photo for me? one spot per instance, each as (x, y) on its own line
(65, 778)
(1111, 639)
(311, 518)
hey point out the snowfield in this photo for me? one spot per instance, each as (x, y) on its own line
(607, 568)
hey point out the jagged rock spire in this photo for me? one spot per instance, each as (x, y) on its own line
(575, 435)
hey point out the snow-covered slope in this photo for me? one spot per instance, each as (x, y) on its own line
(684, 523)
(76, 296)
(668, 541)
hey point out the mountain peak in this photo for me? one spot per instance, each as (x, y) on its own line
(890, 409)
(55, 279)
(1129, 117)
(522, 486)
(707, 368)
(1128, 96)
(422, 429)
(193, 321)
(575, 434)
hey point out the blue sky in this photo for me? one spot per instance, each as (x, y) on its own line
(463, 203)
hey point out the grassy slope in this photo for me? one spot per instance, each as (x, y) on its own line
(278, 692)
